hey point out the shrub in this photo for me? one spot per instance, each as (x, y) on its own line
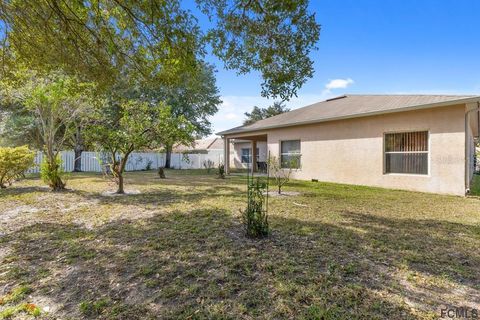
(161, 173)
(255, 217)
(209, 165)
(221, 171)
(281, 173)
(13, 163)
(52, 173)
(149, 165)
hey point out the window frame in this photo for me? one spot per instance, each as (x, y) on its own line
(428, 152)
(280, 153)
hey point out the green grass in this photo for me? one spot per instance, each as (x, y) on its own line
(10, 306)
(475, 187)
(177, 250)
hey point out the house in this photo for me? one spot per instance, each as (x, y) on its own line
(201, 146)
(412, 142)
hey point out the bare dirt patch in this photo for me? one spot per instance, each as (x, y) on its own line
(115, 194)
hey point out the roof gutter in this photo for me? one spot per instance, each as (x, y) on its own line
(359, 115)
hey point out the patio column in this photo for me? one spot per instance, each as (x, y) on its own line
(254, 156)
(226, 155)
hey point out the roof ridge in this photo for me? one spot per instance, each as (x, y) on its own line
(411, 94)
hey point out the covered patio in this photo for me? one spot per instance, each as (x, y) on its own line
(255, 165)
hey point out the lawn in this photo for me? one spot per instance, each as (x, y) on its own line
(176, 250)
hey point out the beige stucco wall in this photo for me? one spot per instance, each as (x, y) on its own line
(351, 151)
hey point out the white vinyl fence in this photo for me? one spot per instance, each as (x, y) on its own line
(93, 161)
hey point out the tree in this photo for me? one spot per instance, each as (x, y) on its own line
(156, 41)
(19, 126)
(281, 172)
(263, 113)
(122, 126)
(195, 98)
(55, 100)
(78, 142)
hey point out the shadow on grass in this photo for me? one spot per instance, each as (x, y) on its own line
(15, 191)
(200, 265)
(161, 196)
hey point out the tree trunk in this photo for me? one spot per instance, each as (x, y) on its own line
(77, 166)
(121, 170)
(78, 149)
(168, 156)
(120, 189)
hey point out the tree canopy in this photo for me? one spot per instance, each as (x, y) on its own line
(157, 41)
(262, 113)
(122, 126)
(54, 101)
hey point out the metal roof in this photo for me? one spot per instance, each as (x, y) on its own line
(351, 106)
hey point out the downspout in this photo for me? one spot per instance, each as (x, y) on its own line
(467, 176)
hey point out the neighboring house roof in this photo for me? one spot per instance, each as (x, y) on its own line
(351, 106)
(202, 145)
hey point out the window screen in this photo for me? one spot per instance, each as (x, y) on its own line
(290, 154)
(406, 152)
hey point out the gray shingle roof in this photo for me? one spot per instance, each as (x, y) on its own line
(350, 106)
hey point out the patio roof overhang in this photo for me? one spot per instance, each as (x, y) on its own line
(242, 137)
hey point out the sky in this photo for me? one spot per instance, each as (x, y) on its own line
(374, 46)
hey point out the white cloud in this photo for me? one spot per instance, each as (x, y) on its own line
(338, 84)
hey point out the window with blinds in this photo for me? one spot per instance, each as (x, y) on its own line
(406, 152)
(290, 154)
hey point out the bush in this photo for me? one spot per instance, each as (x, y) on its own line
(13, 164)
(281, 172)
(221, 171)
(161, 173)
(255, 217)
(149, 165)
(209, 165)
(52, 173)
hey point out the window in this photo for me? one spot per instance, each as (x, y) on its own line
(290, 154)
(406, 152)
(245, 155)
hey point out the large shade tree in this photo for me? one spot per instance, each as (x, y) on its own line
(194, 97)
(156, 41)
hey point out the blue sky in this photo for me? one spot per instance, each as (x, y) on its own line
(375, 46)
